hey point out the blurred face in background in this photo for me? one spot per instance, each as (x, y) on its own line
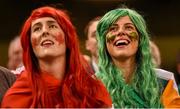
(15, 54)
(47, 38)
(156, 57)
(122, 39)
(91, 42)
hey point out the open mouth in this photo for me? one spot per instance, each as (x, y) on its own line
(47, 43)
(121, 42)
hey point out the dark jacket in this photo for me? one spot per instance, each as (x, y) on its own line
(6, 80)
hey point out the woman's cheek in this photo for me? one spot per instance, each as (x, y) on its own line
(133, 36)
(34, 42)
(60, 38)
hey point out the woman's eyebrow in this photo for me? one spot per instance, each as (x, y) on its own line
(51, 21)
(115, 24)
(36, 24)
(129, 24)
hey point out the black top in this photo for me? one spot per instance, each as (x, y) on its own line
(6, 80)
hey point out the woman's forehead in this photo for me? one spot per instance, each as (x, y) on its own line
(43, 19)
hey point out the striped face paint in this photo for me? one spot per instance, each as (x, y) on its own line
(110, 37)
(133, 35)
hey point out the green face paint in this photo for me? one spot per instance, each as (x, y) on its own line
(110, 37)
(133, 35)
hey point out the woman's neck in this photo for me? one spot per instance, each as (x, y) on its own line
(54, 66)
(127, 66)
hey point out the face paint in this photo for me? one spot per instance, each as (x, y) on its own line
(110, 37)
(34, 42)
(133, 35)
(60, 39)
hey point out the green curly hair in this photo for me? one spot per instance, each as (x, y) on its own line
(144, 90)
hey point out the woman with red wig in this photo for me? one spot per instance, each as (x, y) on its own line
(56, 74)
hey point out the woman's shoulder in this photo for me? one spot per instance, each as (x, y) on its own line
(170, 95)
(165, 76)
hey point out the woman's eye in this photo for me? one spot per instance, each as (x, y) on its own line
(52, 26)
(129, 27)
(36, 29)
(112, 29)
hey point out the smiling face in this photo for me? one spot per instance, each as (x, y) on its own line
(47, 38)
(122, 39)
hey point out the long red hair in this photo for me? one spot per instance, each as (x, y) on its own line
(78, 87)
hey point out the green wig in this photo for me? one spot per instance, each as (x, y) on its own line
(144, 90)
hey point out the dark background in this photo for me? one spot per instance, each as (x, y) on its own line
(162, 17)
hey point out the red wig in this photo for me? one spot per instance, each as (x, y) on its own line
(78, 87)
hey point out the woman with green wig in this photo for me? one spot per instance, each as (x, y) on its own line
(125, 61)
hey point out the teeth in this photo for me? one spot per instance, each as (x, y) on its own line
(121, 42)
(47, 42)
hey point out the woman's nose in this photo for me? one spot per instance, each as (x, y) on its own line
(45, 30)
(120, 32)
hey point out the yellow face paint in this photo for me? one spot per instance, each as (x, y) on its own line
(110, 37)
(133, 35)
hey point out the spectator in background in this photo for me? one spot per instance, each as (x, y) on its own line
(156, 56)
(6, 80)
(156, 59)
(56, 74)
(91, 42)
(125, 63)
(14, 54)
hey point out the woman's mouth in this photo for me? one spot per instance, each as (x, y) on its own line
(121, 42)
(47, 43)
